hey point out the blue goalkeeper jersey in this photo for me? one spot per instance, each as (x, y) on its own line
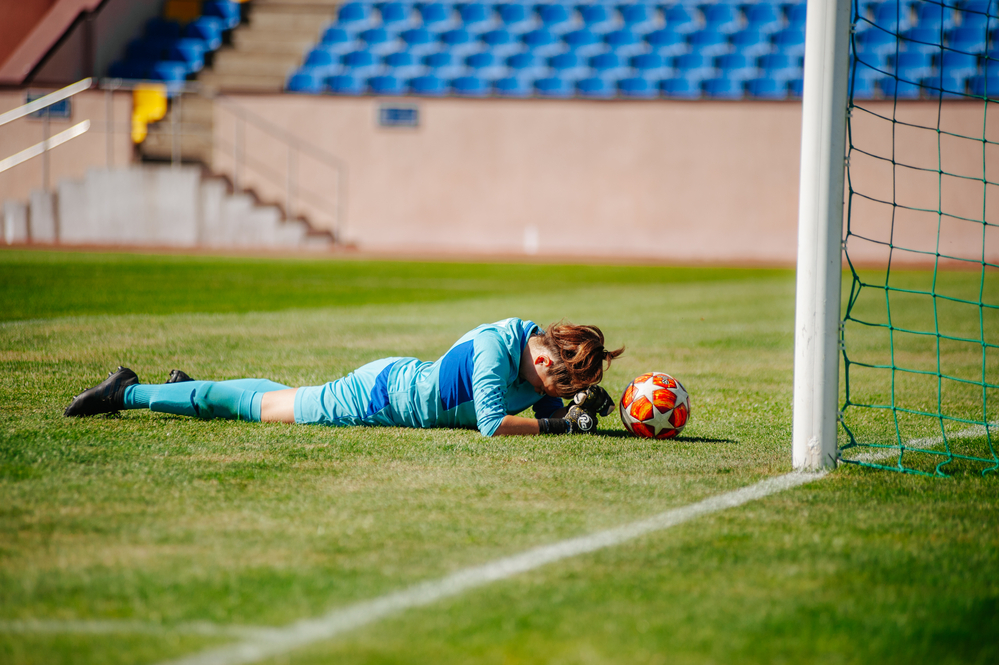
(475, 384)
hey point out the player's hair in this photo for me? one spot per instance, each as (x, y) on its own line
(578, 356)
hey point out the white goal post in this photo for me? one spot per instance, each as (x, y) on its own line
(820, 232)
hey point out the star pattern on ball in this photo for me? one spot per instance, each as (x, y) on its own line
(655, 405)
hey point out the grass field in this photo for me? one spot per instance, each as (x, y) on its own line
(165, 532)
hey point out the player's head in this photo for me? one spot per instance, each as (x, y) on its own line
(578, 356)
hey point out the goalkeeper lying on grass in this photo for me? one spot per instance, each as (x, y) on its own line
(492, 372)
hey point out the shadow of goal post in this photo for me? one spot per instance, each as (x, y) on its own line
(820, 232)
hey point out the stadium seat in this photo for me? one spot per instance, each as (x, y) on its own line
(355, 16)
(796, 87)
(346, 84)
(322, 59)
(796, 15)
(428, 85)
(306, 80)
(639, 17)
(681, 18)
(709, 42)
(470, 86)
(976, 16)
(339, 40)
(460, 41)
(651, 65)
(624, 42)
(934, 15)
(386, 84)
(780, 66)
(554, 86)
(941, 85)
(584, 41)
(680, 87)
(437, 16)
(226, 10)
(527, 65)
(863, 88)
(517, 17)
(206, 28)
(512, 86)
(893, 88)
(158, 27)
(420, 40)
(404, 65)
(597, 18)
(763, 17)
(396, 16)
(637, 87)
(569, 66)
(877, 41)
(928, 40)
(189, 51)
(893, 16)
(911, 66)
(736, 67)
(609, 65)
(478, 17)
(445, 65)
(968, 40)
(595, 87)
(751, 42)
(766, 88)
(667, 42)
(722, 88)
(961, 65)
(790, 41)
(984, 86)
(361, 63)
(694, 66)
(501, 41)
(556, 17)
(542, 41)
(721, 17)
(379, 40)
(129, 69)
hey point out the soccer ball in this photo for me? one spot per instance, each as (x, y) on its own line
(655, 405)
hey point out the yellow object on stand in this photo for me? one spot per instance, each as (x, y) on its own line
(149, 104)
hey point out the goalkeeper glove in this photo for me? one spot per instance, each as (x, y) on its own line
(595, 401)
(576, 421)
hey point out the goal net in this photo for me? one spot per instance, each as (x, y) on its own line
(919, 337)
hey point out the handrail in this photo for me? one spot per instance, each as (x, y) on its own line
(47, 100)
(47, 144)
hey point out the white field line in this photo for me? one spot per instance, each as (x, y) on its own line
(279, 641)
(928, 442)
(98, 627)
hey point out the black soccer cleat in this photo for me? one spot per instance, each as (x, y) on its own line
(178, 376)
(108, 396)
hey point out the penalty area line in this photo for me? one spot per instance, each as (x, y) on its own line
(279, 641)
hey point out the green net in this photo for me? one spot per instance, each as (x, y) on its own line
(920, 332)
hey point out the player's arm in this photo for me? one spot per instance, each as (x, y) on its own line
(575, 421)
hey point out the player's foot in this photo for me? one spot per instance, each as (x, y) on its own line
(177, 376)
(108, 396)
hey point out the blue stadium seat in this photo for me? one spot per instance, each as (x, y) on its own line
(478, 17)
(584, 41)
(159, 27)
(189, 51)
(961, 65)
(501, 41)
(595, 87)
(796, 87)
(445, 65)
(460, 41)
(361, 63)
(339, 40)
(766, 88)
(722, 88)
(597, 17)
(624, 42)
(893, 16)
(681, 18)
(386, 84)
(709, 42)
(346, 84)
(569, 66)
(428, 85)
(322, 59)
(149, 49)
(639, 17)
(680, 87)
(420, 40)
(168, 72)
(868, 72)
(876, 42)
(226, 10)
(796, 14)
(968, 40)
(542, 41)
(721, 17)
(864, 88)
(751, 42)
(791, 41)
(527, 65)
(780, 66)
(651, 65)
(512, 86)
(206, 28)
(396, 16)
(912, 66)
(637, 87)
(667, 42)
(763, 17)
(736, 67)
(609, 65)
(933, 15)
(694, 66)
(404, 65)
(984, 86)
(556, 17)
(355, 15)
(948, 87)
(379, 40)
(129, 69)
(437, 16)
(470, 86)
(977, 16)
(516, 17)
(896, 89)
(927, 40)
(306, 80)
(554, 86)
(486, 65)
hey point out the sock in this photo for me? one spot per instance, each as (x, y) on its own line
(200, 399)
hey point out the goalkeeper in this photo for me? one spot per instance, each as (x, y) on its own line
(491, 373)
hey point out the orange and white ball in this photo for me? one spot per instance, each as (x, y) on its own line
(655, 405)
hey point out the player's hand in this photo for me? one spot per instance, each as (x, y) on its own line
(580, 420)
(595, 401)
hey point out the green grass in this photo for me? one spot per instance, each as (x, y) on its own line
(167, 521)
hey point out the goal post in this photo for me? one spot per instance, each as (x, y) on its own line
(820, 230)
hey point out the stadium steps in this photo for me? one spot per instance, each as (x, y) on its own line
(194, 117)
(269, 46)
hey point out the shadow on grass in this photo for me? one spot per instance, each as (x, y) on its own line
(620, 434)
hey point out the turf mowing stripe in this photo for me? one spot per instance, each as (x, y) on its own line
(918, 444)
(280, 641)
(97, 627)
